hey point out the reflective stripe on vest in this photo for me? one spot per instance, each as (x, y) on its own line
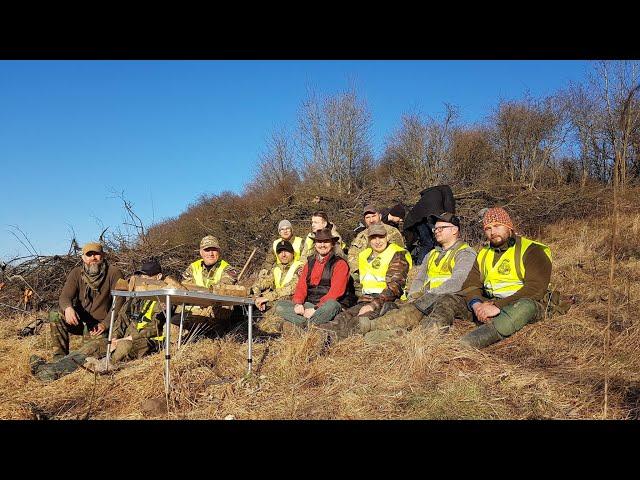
(148, 308)
(197, 268)
(297, 243)
(437, 274)
(507, 276)
(373, 274)
(277, 274)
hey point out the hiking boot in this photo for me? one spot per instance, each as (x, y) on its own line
(35, 362)
(381, 336)
(330, 329)
(348, 326)
(365, 324)
(482, 336)
(46, 374)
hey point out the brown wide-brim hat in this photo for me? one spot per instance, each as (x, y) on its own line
(325, 234)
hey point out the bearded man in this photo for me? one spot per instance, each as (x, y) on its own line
(85, 300)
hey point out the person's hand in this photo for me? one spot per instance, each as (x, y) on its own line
(485, 311)
(366, 309)
(261, 303)
(308, 312)
(299, 309)
(98, 329)
(70, 316)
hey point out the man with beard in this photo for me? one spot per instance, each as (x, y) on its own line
(504, 290)
(324, 287)
(137, 331)
(85, 300)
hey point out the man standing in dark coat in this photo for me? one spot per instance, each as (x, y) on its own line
(417, 225)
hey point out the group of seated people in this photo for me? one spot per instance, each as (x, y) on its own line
(317, 282)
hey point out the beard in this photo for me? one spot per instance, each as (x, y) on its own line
(94, 268)
(499, 241)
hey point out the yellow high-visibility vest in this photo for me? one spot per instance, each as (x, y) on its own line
(297, 244)
(277, 274)
(148, 308)
(437, 274)
(197, 268)
(373, 274)
(507, 276)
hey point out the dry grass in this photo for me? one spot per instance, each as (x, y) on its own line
(552, 369)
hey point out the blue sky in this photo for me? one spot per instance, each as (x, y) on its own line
(165, 132)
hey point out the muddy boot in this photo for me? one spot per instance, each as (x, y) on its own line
(482, 336)
(35, 362)
(364, 324)
(380, 336)
(328, 329)
(348, 326)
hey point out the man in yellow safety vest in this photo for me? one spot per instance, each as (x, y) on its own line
(507, 288)
(383, 268)
(444, 271)
(279, 285)
(211, 269)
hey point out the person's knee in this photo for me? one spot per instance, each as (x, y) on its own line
(514, 316)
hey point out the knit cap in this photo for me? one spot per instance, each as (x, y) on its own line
(284, 224)
(497, 215)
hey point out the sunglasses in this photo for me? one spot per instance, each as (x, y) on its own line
(93, 254)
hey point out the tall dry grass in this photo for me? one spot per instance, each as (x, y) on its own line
(551, 369)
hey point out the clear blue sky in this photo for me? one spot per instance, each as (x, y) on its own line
(165, 132)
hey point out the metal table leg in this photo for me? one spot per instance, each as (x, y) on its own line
(167, 345)
(181, 323)
(250, 359)
(113, 314)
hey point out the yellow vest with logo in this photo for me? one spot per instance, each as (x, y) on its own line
(507, 276)
(197, 268)
(277, 274)
(297, 244)
(373, 274)
(437, 274)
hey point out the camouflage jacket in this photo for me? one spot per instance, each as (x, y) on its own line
(229, 275)
(396, 279)
(266, 287)
(361, 242)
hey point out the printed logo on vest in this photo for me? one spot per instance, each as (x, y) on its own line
(505, 267)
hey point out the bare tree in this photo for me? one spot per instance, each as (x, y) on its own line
(418, 153)
(334, 140)
(527, 133)
(277, 166)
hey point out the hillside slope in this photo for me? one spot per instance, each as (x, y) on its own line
(552, 369)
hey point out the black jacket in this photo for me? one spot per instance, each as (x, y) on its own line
(433, 201)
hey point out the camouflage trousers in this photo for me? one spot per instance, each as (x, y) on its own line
(440, 311)
(48, 372)
(60, 331)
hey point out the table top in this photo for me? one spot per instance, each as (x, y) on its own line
(186, 296)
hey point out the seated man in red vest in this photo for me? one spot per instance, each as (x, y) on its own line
(324, 288)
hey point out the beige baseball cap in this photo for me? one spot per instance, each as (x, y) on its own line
(92, 247)
(209, 241)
